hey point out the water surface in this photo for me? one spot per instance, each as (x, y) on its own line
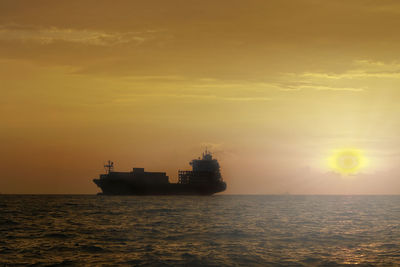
(207, 231)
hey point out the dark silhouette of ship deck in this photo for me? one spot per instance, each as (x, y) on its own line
(204, 179)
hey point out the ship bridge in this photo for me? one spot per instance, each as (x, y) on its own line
(206, 164)
(204, 170)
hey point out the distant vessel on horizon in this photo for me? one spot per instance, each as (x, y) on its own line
(204, 179)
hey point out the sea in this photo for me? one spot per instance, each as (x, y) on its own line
(219, 230)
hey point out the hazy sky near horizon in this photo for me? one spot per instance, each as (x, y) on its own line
(271, 87)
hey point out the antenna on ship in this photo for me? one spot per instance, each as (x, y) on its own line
(204, 153)
(109, 166)
(207, 155)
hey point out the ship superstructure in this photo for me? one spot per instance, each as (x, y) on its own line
(205, 170)
(204, 179)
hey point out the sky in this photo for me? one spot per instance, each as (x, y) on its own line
(273, 88)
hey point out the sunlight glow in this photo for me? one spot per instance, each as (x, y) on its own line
(348, 161)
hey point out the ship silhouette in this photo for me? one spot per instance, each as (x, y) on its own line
(204, 179)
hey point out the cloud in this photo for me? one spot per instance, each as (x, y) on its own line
(134, 98)
(53, 34)
(359, 76)
(155, 78)
(329, 88)
(220, 85)
(361, 69)
(356, 74)
(301, 86)
(247, 99)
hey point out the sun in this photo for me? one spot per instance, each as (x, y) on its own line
(347, 161)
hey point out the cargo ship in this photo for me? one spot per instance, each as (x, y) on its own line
(204, 179)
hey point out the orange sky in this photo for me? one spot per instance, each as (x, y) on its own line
(272, 87)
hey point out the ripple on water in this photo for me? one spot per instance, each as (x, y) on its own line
(206, 231)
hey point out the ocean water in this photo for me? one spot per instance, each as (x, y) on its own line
(220, 230)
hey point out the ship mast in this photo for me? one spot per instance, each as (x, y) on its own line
(109, 167)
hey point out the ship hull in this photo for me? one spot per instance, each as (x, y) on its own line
(123, 187)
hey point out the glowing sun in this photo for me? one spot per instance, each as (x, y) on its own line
(347, 161)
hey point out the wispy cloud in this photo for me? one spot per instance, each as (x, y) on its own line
(329, 88)
(302, 86)
(53, 34)
(361, 69)
(247, 99)
(155, 78)
(138, 97)
(359, 76)
(221, 85)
